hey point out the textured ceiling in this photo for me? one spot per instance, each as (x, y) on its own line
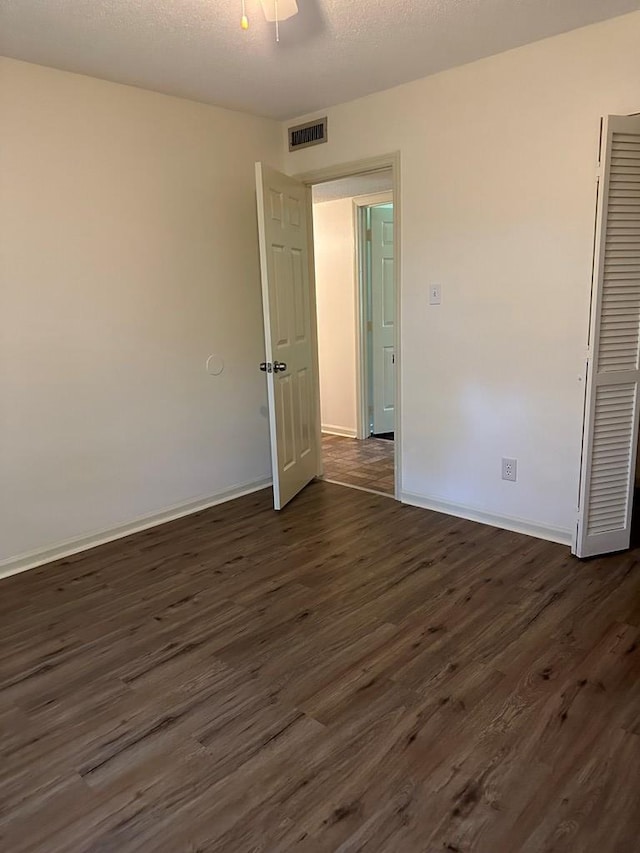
(374, 182)
(332, 51)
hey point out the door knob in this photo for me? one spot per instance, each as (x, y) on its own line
(279, 366)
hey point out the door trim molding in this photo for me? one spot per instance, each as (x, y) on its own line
(346, 170)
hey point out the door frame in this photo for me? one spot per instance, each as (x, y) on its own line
(362, 272)
(333, 173)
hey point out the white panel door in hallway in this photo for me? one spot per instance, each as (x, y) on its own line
(289, 327)
(383, 304)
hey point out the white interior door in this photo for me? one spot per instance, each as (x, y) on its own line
(383, 305)
(611, 411)
(288, 304)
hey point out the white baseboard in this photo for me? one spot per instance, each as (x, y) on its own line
(506, 522)
(73, 546)
(330, 429)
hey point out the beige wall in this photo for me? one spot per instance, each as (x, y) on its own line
(334, 247)
(128, 255)
(497, 205)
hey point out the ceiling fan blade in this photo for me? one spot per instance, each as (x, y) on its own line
(286, 9)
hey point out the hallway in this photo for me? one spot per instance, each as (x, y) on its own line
(368, 463)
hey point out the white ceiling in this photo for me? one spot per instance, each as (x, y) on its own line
(332, 51)
(373, 182)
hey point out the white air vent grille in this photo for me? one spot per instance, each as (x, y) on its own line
(620, 329)
(305, 135)
(612, 454)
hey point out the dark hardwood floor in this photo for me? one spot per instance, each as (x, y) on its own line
(349, 674)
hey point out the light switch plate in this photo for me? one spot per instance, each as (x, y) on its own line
(435, 294)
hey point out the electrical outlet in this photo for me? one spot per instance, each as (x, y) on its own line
(510, 469)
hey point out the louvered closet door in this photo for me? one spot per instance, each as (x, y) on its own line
(611, 412)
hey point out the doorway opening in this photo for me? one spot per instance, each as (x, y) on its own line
(285, 229)
(354, 249)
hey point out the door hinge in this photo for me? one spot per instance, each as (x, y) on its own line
(368, 235)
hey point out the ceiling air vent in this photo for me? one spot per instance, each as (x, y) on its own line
(310, 133)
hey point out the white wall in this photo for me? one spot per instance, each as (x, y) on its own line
(334, 247)
(497, 205)
(128, 255)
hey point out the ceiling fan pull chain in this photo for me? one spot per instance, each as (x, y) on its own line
(244, 21)
(277, 22)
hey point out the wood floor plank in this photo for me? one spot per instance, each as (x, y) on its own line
(348, 674)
